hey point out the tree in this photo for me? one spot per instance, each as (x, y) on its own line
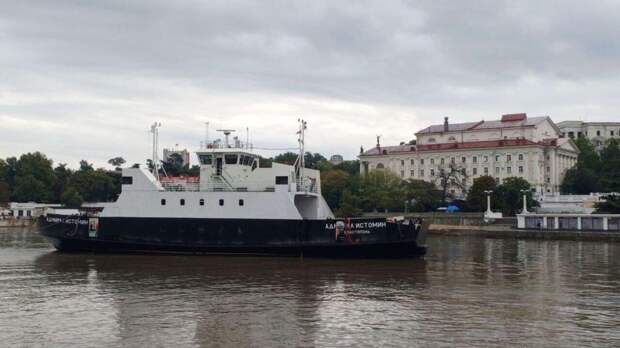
(85, 166)
(421, 195)
(610, 166)
(313, 159)
(381, 190)
(117, 162)
(450, 176)
(71, 198)
(286, 158)
(510, 197)
(34, 178)
(580, 181)
(351, 167)
(62, 176)
(476, 197)
(333, 183)
(349, 204)
(174, 166)
(5, 193)
(611, 205)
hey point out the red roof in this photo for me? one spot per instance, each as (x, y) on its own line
(514, 117)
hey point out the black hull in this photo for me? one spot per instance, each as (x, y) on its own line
(374, 239)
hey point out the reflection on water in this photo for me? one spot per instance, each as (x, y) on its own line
(465, 292)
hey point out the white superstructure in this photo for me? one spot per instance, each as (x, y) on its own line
(231, 185)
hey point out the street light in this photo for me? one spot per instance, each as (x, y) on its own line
(488, 193)
(524, 201)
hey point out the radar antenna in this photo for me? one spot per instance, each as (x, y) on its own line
(227, 133)
(303, 125)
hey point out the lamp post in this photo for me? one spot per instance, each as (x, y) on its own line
(524, 201)
(488, 193)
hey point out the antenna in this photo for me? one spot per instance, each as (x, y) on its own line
(206, 133)
(155, 130)
(227, 133)
(247, 137)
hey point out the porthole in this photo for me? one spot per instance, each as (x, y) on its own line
(163, 202)
(202, 201)
(241, 202)
(182, 201)
(221, 202)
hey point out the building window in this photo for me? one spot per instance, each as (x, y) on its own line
(486, 158)
(548, 180)
(463, 159)
(431, 140)
(432, 172)
(547, 157)
(496, 170)
(402, 173)
(548, 169)
(413, 173)
(402, 163)
(486, 170)
(443, 161)
(283, 180)
(452, 160)
(498, 181)
(163, 202)
(451, 139)
(611, 133)
(508, 158)
(241, 202)
(508, 170)
(421, 160)
(432, 161)
(182, 201)
(474, 159)
(379, 166)
(520, 157)
(202, 201)
(475, 171)
(520, 169)
(497, 158)
(598, 133)
(464, 171)
(412, 162)
(421, 173)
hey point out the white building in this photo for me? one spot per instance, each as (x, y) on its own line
(597, 132)
(514, 146)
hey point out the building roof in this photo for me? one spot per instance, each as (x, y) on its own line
(389, 150)
(402, 149)
(507, 121)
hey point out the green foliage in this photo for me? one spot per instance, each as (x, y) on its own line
(71, 198)
(351, 167)
(611, 205)
(333, 183)
(34, 178)
(117, 162)
(510, 197)
(594, 172)
(286, 158)
(349, 204)
(421, 195)
(85, 166)
(476, 198)
(5, 193)
(30, 189)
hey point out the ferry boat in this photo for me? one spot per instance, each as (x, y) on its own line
(234, 207)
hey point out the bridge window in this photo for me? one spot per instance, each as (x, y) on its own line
(163, 202)
(202, 201)
(241, 202)
(127, 180)
(281, 180)
(221, 202)
(205, 159)
(230, 159)
(182, 201)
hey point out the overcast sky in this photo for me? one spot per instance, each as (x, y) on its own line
(85, 79)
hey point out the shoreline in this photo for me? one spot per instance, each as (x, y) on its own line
(507, 232)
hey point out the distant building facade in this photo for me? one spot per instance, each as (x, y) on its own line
(597, 132)
(184, 155)
(514, 146)
(336, 159)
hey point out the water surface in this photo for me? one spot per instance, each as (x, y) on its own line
(467, 291)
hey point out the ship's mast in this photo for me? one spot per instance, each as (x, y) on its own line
(155, 130)
(301, 160)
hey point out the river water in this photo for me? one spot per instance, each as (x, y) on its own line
(465, 292)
